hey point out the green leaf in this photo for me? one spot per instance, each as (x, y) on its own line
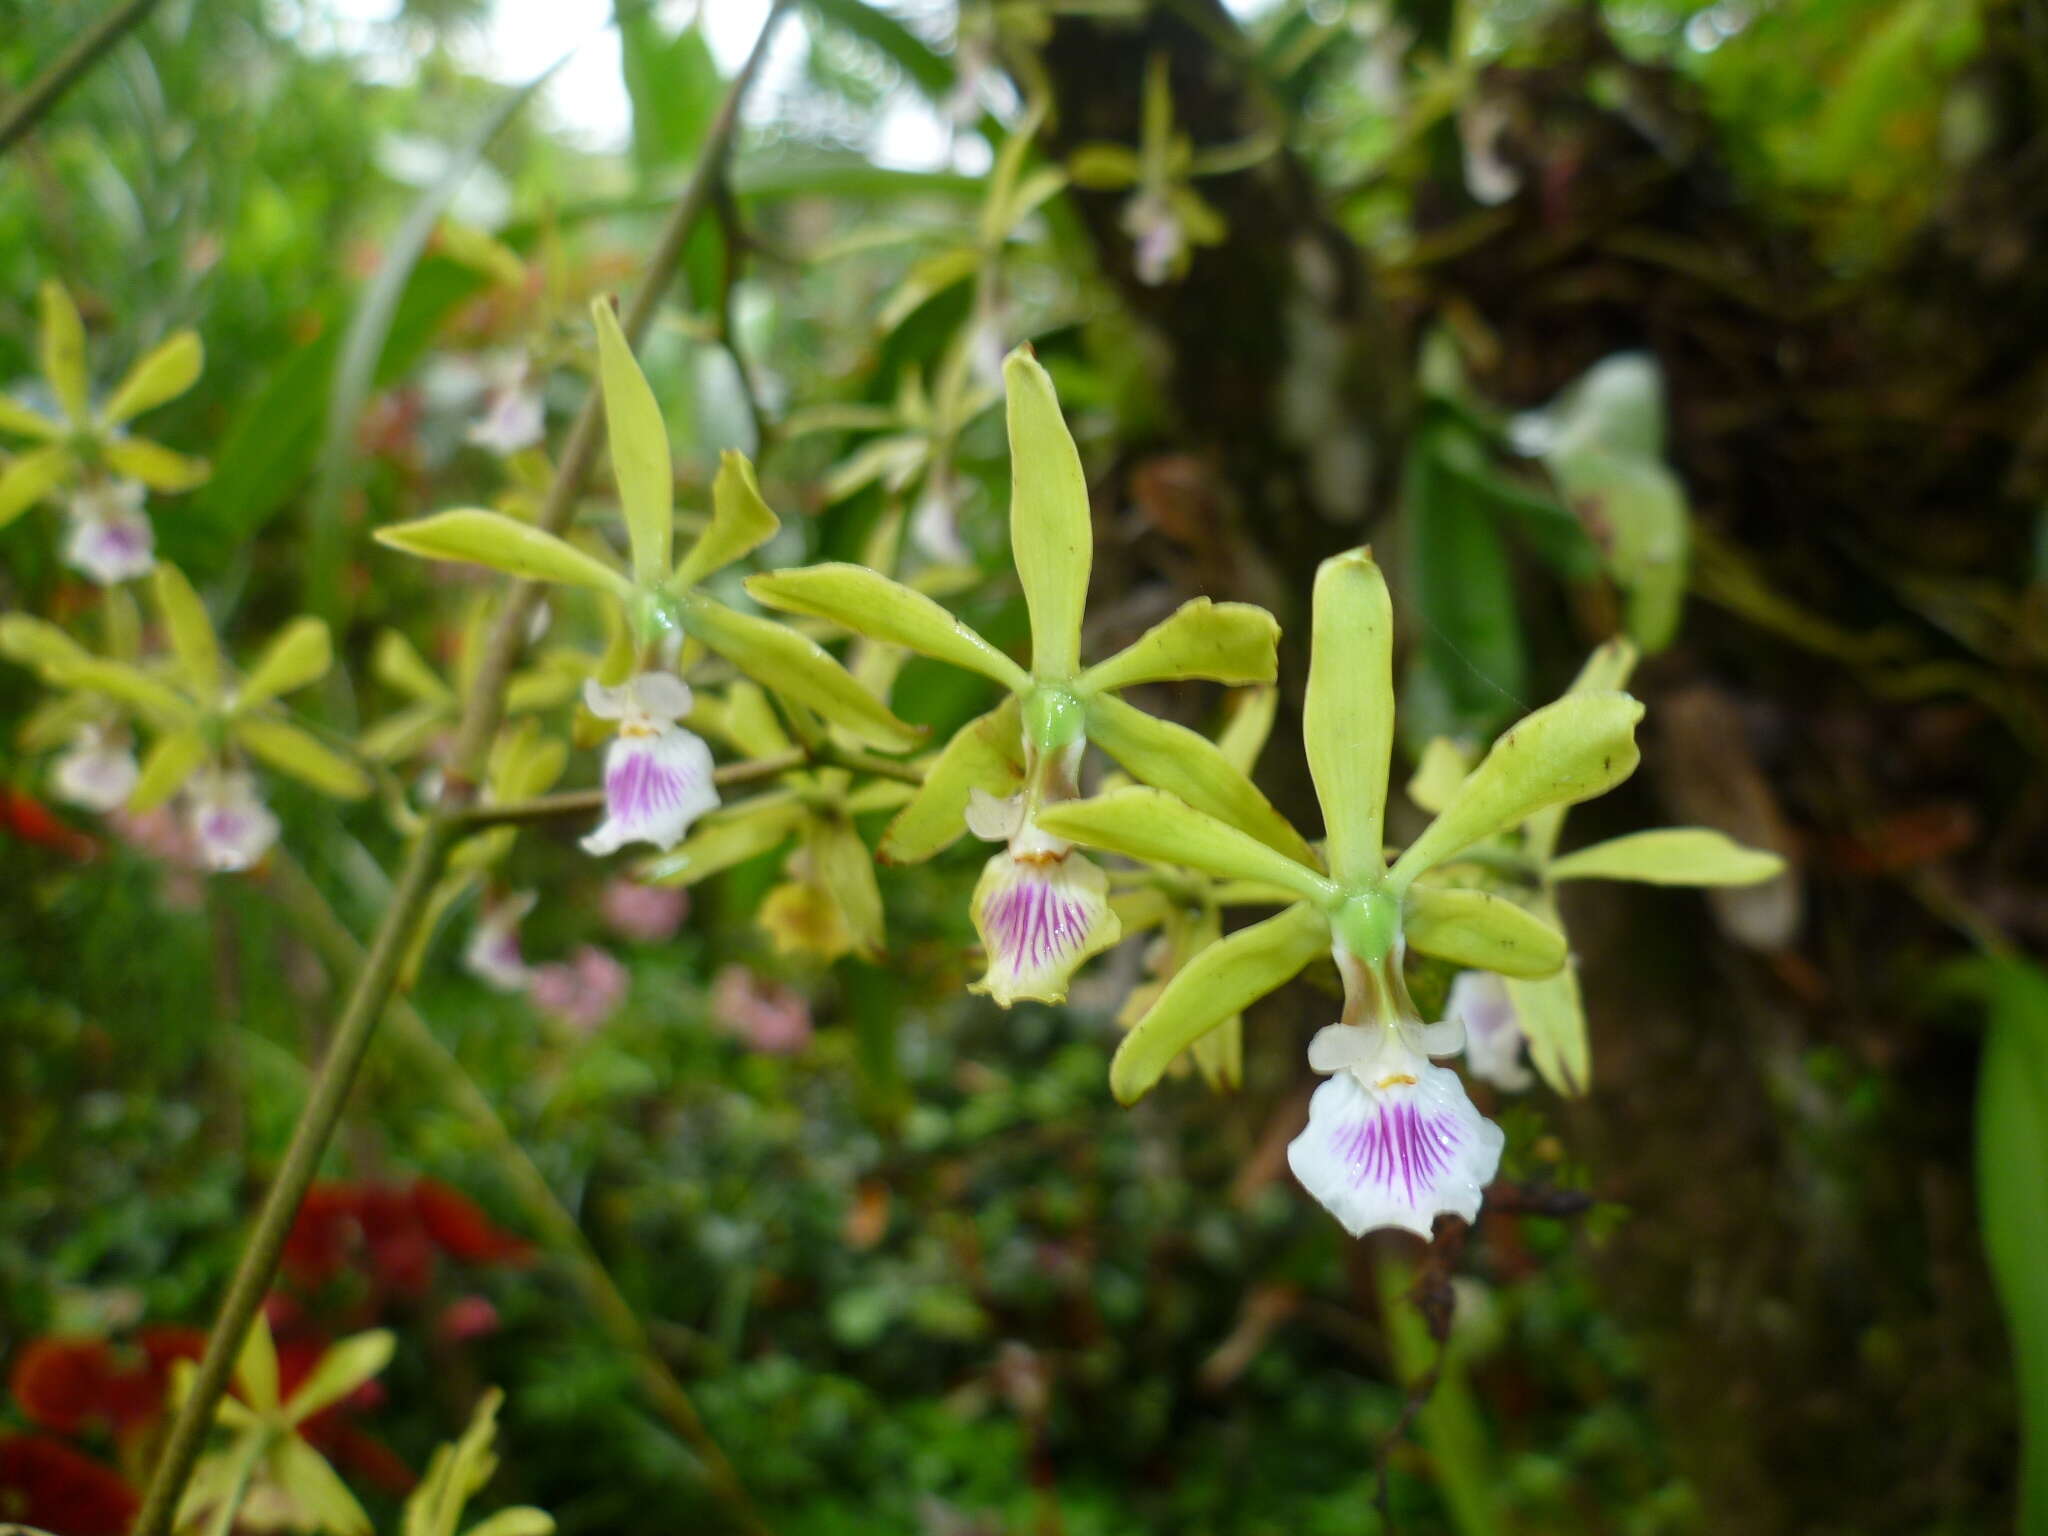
(29, 478)
(1640, 509)
(307, 1478)
(1607, 669)
(164, 373)
(256, 1368)
(170, 761)
(62, 340)
(928, 70)
(639, 448)
(2012, 1199)
(298, 654)
(1051, 533)
(1553, 1018)
(1233, 643)
(18, 418)
(520, 1520)
(673, 84)
(345, 1366)
(726, 838)
(1481, 932)
(504, 544)
(190, 630)
(398, 736)
(1103, 167)
(1464, 590)
(928, 277)
(1347, 717)
(1580, 746)
(785, 662)
(290, 750)
(159, 703)
(1670, 856)
(1217, 984)
(1185, 763)
(1437, 777)
(869, 603)
(987, 754)
(844, 867)
(1156, 827)
(741, 522)
(1243, 736)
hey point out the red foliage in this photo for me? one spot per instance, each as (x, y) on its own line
(393, 1232)
(70, 1385)
(459, 1227)
(25, 817)
(45, 1483)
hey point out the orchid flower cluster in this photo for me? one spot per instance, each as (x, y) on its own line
(1392, 1139)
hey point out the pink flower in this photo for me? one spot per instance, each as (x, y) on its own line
(645, 914)
(765, 1014)
(466, 1318)
(582, 992)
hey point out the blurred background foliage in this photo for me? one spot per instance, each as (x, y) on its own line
(1715, 322)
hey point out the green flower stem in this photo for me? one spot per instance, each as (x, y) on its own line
(559, 1230)
(48, 87)
(422, 868)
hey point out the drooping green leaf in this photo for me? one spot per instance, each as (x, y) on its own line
(1572, 749)
(1051, 533)
(1233, 643)
(27, 479)
(1671, 856)
(1219, 983)
(503, 543)
(1480, 931)
(726, 838)
(987, 754)
(1552, 1014)
(170, 761)
(868, 603)
(1471, 639)
(1347, 718)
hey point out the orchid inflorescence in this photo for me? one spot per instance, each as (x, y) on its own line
(1392, 1138)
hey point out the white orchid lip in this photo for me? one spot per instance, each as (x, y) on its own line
(1040, 915)
(97, 771)
(230, 824)
(657, 776)
(110, 539)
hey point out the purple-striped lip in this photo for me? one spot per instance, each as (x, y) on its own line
(1398, 1145)
(638, 785)
(1034, 924)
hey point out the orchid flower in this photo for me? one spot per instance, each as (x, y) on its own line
(657, 775)
(1520, 863)
(456, 1474)
(1392, 1140)
(513, 416)
(492, 954)
(268, 1477)
(98, 770)
(206, 720)
(828, 905)
(89, 450)
(1041, 908)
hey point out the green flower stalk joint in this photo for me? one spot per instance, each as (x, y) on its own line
(206, 722)
(87, 451)
(657, 774)
(1521, 863)
(1040, 908)
(1392, 1140)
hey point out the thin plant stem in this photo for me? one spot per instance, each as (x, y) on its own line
(412, 890)
(319, 924)
(65, 70)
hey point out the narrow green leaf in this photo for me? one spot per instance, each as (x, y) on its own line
(18, 418)
(639, 448)
(290, 750)
(1607, 669)
(1156, 827)
(256, 1368)
(726, 838)
(504, 544)
(27, 479)
(2012, 1198)
(298, 654)
(1217, 984)
(1481, 932)
(62, 341)
(397, 664)
(1671, 856)
(1232, 643)
(987, 754)
(845, 868)
(928, 69)
(869, 603)
(741, 522)
(1186, 763)
(305, 1476)
(170, 761)
(398, 736)
(164, 373)
(190, 630)
(1580, 746)
(1347, 717)
(1103, 167)
(1051, 533)
(345, 1366)
(1552, 1014)
(1471, 638)
(785, 662)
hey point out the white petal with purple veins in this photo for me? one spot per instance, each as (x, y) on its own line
(1395, 1149)
(230, 824)
(110, 540)
(655, 784)
(1493, 1030)
(1039, 917)
(95, 771)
